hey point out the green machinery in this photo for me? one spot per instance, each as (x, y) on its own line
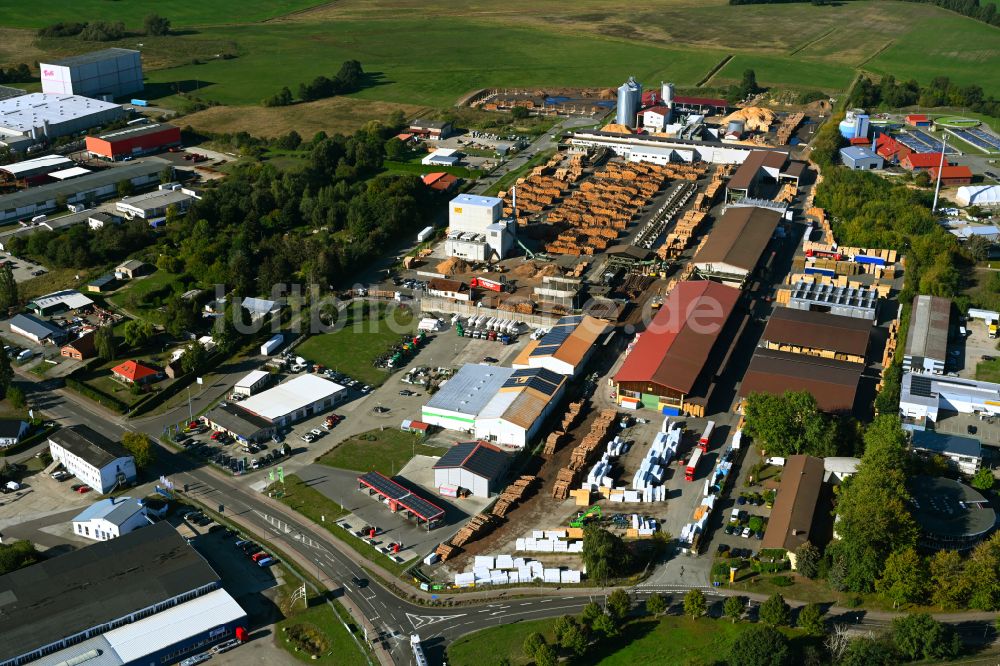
(582, 518)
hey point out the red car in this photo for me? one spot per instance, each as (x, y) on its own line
(216, 435)
(83, 489)
(259, 556)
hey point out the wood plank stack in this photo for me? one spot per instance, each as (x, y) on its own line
(583, 454)
(511, 495)
(480, 525)
(445, 551)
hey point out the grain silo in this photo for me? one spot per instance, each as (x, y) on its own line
(629, 102)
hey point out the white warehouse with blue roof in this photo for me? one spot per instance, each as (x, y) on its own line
(111, 518)
(503, 406)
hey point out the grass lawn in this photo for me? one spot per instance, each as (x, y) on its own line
(421, 169)
(319, 626)
(669, 640)
(988, 371)
(132, 13)
(145, 295)
(52, 280)
(321, 510)
(355, 347)
(384, 451)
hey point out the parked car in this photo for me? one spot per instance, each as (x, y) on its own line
(196, 659)
(83, 490)
(308, 438)
(746, 533)
(407, 392)
(316, 432)
(266, 561)
(225, 647)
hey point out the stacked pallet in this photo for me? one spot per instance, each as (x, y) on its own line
(600, 209)
(511, 495)
(584, 452)
(679, 239)
(552, 442)
(787, 193)
(445, 550)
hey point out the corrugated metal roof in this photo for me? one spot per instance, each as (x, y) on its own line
(470, 389)
(36, 166)
(930, 319)
(675, 346)
(739, 238)
(477, 457)
(252, 378)
(291, 396)
(174, 625)
(746, 173)
(94, 56)
(23, 113)
(795, 504)
(818, 330)
(39, 328)
(91, 181)
(115, 510)
(70, 298)
(833, 383)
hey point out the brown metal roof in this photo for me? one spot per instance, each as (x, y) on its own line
(444, 284)
(818, 330)
(676, 345)
(744, 177)
(795, 504)
(833, 383)
(739, 238)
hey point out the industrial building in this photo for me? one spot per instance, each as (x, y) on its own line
(985, 196)
(861, 158)
(921, 161)
(833, 383)
(108, 73)
(817, 334)
(37, 330)
(253, 383)
(475, 230)
(153, 206)
(145, 598)
(761, 167)
(82, 348)
(34, 171)
(952, 175)
(924, 396)
(927, 338)
(59, 301)
(736, 245)
(499, 405)
(92, 458)
(567, 346)
(133, 141)
(111, 518)
(964, 454)
(42, 117)
(951, 515)
(794, 517)
(655, 118)
(629, 102)
(662, 149)
(431, 129)
(445, 288)
(476, 467)
(442, 157)
(131, 269)
(672, 364)
(11, 432)
(917, 120)
(88, 189)
(259, 307)
(855, 124)
(860, 302)
(296, 399)
(232, 419)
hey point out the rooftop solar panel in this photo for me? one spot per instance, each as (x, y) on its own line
(390, 489)
(920, 386)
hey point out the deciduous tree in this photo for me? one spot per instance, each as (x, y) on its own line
(949, 586)
(605, 554)
(655, 604)
(811, 619)
(141, 448)
(903, 579)
(695, 604)
(775, 611)
(104, 342)
(807, 559)
(983, 479)
(790, 424)
(8, 288)
(733, 607)
(919, 636)
(759, 645)
(6, 374)
(619, 604)
(156, 25)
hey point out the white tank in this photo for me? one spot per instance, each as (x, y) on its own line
(667, 95)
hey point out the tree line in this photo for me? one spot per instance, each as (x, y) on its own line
(19, 74)
(105, 31)
(347, 80)
(941, 91)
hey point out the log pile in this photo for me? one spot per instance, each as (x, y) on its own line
(445, 551)
(479, 526)
(512, 494)
(787, 126)
(583, 454)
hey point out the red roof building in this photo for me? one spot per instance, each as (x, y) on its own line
(134, 372)
(860, 141)
(669, 361)
(440, 181)
(133, 140)
(952, 175)
(918, 120)
(920, 161)
(889, 148)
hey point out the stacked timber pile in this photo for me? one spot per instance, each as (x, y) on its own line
(583, 454)
(595, 214)
(683, 233)
(480, 525)
(445, 551)
(511, 495)
(517, 304)
(787, 193)
(579, 269)
(569, 420)
(787, 126)
(635, 284)
(552, 442)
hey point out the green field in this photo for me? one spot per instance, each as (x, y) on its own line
(132, 12)
(352, 349)
(384, 451)
(669, 640)
(320, 619)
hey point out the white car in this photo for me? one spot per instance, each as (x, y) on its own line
(316, 432)
(197, 659)
(308, 438)
(746, 533)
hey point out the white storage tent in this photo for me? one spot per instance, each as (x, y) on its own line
(978, 195)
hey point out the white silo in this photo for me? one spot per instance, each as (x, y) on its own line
(667, 95)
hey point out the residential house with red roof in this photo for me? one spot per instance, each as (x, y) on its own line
(134, 372)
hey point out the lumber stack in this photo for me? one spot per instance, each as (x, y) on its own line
(512, 494)
(445, 551)
(583, 454)
(480, 525)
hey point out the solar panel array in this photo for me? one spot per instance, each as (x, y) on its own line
(550, 343)
(542, 380)
(920, 385)
(390, 489)
(921, 142)
(970, 138)
(988, 137)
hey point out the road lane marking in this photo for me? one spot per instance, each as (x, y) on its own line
(419, 621)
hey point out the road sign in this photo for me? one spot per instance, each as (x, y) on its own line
(200, 381)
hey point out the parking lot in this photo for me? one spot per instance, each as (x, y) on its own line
(963, 355)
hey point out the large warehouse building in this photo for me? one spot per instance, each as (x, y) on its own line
(736, 245)
(133, 141)
(106, 73)
(89, 188)
(92, 458)
(499, 405)
(924, 396)
(42, 117)
(817, 334)
(294, 400)
(672, 364)
(475, 230)
(662, 150)
(474, 466)
(927, 338)
(833, 383)
(145, 598)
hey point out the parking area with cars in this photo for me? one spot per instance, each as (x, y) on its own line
(226, 452)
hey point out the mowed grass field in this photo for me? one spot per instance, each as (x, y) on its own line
(429, 54)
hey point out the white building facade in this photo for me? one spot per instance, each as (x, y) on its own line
(476, 231)
(111, 518)
(92, 458)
